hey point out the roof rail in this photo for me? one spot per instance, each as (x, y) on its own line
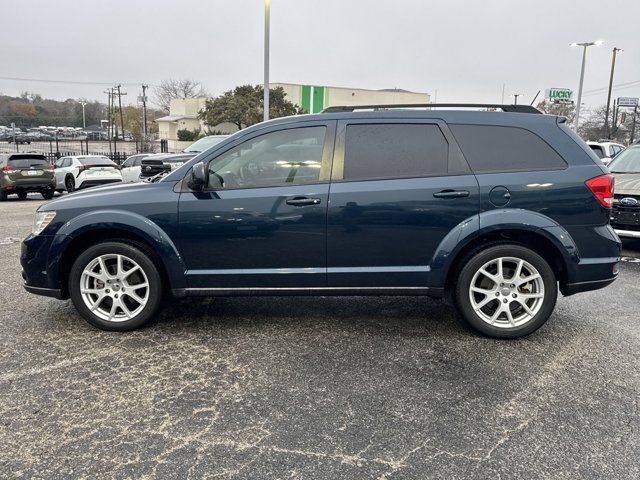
(504, 108)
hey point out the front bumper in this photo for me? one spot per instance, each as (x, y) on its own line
(39, 268)
(627, 233)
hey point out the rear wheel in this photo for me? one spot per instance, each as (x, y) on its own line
(116, 286)
(47, 194)
(22, 195)
(70, 184)
(506, 291)
(3, 195)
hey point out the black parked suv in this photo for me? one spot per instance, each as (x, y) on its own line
(499, 210)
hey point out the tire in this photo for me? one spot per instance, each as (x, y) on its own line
(501, 306)
(70, 184)
(47, 195)
(22, 195)
(91, 289)
(3, 195)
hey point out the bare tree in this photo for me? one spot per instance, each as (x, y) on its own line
(567, 110)
(170, 89)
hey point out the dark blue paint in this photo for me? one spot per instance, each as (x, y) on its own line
(383, 233)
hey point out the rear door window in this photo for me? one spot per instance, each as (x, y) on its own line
(494, 149)
(379, 151)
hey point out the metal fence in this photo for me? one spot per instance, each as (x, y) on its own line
(53, 149)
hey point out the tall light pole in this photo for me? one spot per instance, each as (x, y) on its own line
(267, 14)
(515, 98)
(613, 67)
(84, 123)
(584, 46)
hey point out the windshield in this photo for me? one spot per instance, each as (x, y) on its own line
(204, 143)
(626, 162)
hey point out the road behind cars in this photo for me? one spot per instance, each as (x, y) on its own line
(315, 388)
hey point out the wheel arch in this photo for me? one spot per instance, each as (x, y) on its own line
(522, 227)
(96, 227)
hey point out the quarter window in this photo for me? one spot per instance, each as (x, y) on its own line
(492, 149)
(285, 157)
(377, 151)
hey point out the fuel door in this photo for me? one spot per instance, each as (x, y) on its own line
(499, 196)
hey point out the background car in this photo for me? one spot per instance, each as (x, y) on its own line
(625, 214)
(74, 173)
(606, 151)
(21, 173)
(130, 169)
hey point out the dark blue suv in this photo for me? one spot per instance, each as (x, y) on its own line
(499, 210)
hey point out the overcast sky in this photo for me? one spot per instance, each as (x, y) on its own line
(465, 50)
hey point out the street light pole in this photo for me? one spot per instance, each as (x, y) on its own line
(515, 98)
(606, 115)
(84, 123)
(267, 14)
(584, 46)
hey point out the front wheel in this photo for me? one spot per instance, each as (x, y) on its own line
(47, 194)
(116, 286)
(506, 291)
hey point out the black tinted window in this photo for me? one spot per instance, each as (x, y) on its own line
(28, 162)
(394, 151)
(597, 149)
(491, 149)
(96, 161)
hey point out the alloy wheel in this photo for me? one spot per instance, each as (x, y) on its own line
(114, 287)
(507, 292)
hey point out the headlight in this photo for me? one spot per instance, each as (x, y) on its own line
(41, 221)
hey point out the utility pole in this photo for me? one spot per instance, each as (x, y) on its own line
(108, 92)
(267, 15)
(633, 125)
(606, 115)
(144, 112)
(120, 108)
(502, 101)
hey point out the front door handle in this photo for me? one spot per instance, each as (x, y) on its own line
(302, 201)
(451, 194)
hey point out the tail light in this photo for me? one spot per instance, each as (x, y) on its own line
(51, 167)
(602, 189)
(9, 169)
(81, 169)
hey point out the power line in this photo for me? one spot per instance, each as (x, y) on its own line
(619, 86)
(67, 82)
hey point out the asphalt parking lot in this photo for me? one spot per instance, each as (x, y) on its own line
(343, 388)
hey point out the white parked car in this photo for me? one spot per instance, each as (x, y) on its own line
(74, 173)
(131, 167)
(606, 151)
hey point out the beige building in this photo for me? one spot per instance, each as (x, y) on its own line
(183, 112)
(314, 98)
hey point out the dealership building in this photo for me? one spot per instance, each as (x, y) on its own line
(314, 98)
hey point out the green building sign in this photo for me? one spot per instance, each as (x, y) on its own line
(312, 98)
(560, 94)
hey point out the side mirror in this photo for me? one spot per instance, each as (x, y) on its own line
(198, 177)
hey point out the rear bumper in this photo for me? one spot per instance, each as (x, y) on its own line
(573, 288)
(95, 183)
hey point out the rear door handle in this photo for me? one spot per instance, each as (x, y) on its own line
(451, 194)
(302, 201)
